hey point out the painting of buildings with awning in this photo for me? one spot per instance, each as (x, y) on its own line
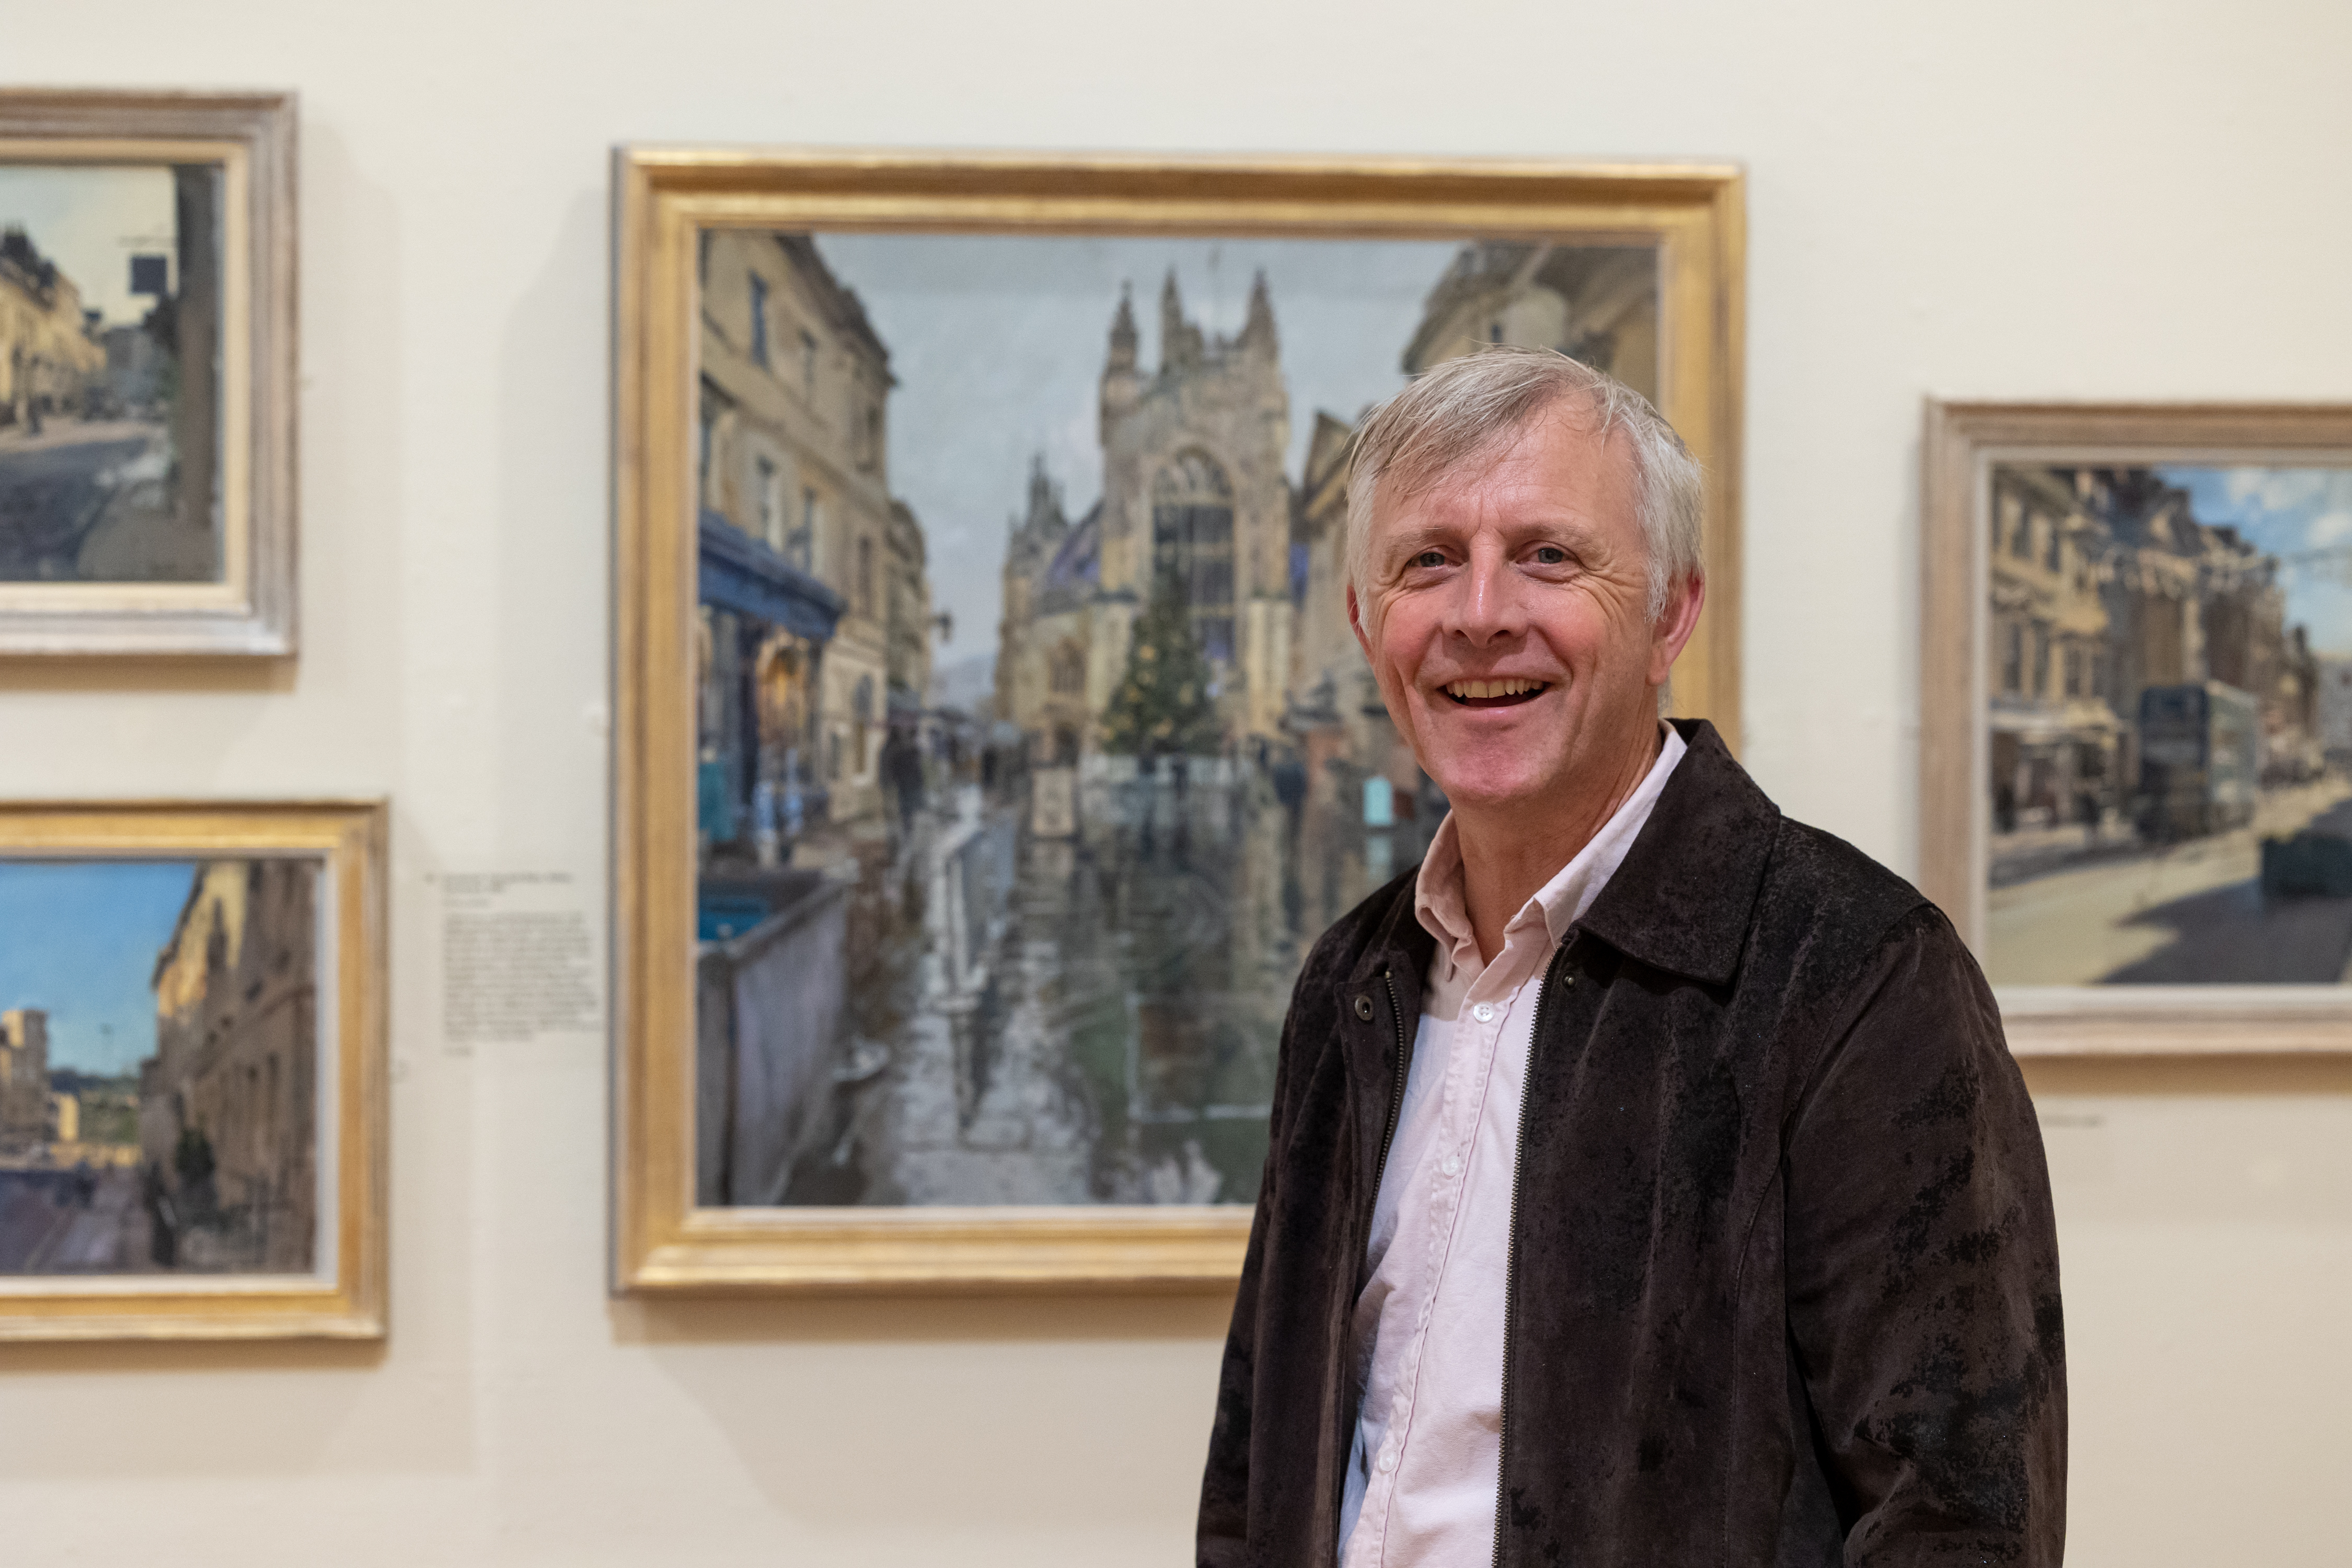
(2169, 716)
(1033, 749)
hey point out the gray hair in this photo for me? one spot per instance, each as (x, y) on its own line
(1452, 413)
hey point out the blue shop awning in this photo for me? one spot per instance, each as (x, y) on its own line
(739, 573)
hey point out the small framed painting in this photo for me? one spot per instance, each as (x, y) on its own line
(992, 746)
(192, 1070)
(2136, 777)
(146, 373)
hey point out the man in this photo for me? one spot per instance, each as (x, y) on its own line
(1649, 1183)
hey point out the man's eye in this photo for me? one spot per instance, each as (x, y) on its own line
(1430, 558)
(1552, 555)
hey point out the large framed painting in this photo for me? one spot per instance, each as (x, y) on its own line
(2136, 785)
(146, 373)
(192, 1070)
(992, 742)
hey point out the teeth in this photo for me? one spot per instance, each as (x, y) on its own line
(1475, 689)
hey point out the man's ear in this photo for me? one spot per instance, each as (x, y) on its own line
(1674, 625)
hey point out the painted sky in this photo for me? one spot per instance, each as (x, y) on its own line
(998, 344)
(78, 940)
(90, 219)
(2290, 512)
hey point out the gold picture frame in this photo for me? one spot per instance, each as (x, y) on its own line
(326, 863)
(666, 202)
(2112, 535)
(131, 593)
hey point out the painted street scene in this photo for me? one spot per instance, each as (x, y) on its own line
(1034, 750)
(158, 1066)
(110, 349)
(2170, 670)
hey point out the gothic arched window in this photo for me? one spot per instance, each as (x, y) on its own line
(1192, 543)
(1067, 675)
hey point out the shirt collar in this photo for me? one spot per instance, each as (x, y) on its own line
(1439, 902)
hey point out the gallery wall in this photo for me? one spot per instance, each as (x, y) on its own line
(2007, 200)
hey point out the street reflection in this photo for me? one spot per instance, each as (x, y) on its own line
(1082, 1017)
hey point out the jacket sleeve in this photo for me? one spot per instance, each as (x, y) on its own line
(1922, 1271)
(1221, 1538)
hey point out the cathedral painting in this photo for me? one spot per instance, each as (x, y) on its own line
(1021, 928)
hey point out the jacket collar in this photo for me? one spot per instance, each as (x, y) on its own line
(1398, 940)
(1681, 899)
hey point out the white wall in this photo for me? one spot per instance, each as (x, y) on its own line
(2009, 199)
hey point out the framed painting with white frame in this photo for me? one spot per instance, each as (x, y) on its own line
(147, 363)
(192, 1070)
(943, 969)
(2135, 716)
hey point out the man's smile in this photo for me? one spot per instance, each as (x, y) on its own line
(1507, 692)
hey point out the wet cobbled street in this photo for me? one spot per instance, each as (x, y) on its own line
(1089, 1018)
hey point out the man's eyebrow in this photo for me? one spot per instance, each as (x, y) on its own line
(1407, 542)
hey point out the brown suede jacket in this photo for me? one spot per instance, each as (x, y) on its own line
(1784, 1277)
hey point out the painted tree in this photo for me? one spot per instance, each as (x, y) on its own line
(1162, 704)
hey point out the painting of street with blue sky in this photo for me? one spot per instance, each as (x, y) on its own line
(2170, 725)
(159, 1064)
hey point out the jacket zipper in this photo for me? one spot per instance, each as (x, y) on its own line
(1511, 1256)
(1396, 1085)
(1379, 1170)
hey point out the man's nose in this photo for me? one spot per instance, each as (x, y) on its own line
(1487, 605)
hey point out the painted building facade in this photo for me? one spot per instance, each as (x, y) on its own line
(797, 670)
(50, 361)
(228, 1126)
(2105, 584)
(25, 1119)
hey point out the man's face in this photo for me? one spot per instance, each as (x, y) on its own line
(1507, 620)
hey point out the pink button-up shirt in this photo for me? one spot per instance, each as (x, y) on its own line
(1428, 1330)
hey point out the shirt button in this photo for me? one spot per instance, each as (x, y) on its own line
(1483, 1012)
(1454, 1164)
(1388, 1456)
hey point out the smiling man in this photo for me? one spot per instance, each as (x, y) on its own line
(1649, 1183)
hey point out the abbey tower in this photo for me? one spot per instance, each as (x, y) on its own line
(1194, 500)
